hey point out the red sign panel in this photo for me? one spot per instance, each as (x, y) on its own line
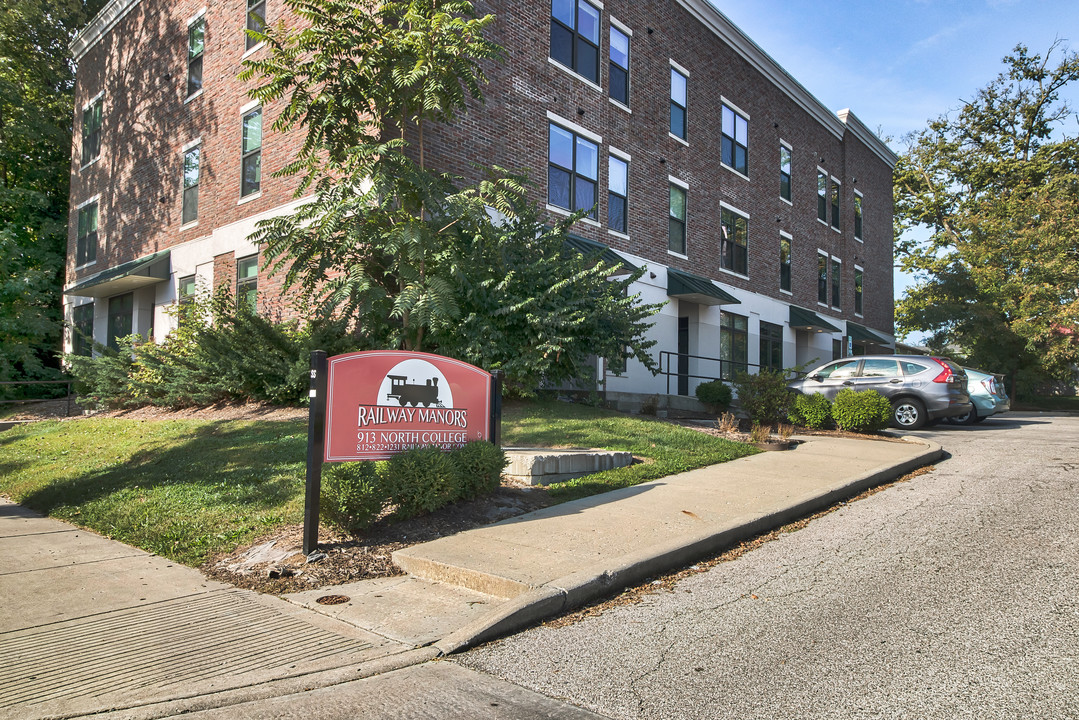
(381, 402)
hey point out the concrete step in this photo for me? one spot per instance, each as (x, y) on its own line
(543, 466)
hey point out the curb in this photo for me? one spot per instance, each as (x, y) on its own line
(578, 588)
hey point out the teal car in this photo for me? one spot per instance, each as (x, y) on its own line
(987, 394)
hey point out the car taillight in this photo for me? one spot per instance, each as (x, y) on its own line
(946, 375)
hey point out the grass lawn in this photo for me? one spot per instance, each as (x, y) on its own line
(186, 489)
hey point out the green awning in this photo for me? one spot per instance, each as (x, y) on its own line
(589, 248)
(860, 333)
(802, 319)
(147, 270)
(694, 288)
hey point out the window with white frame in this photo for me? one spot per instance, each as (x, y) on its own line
(785, 172)
(190, 210)
(822, 196)
(784, 263)
(679, 83)
(618, 79)
(735, 140)
(837, 282)
(575, 29)
(857, 215)
(822, 278)
(196, 44)
(572, 170)
(251, 153)
(676, 229)
(858, 290)
(734, 228)
(91, 130)
(86, 237)
(256, 21)
(617, 193)
(834, 195)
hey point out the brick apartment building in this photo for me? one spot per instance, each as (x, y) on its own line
(764, 220)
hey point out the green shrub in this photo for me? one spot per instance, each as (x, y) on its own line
(866, 411)
(420, 480)
(479, 465)
(715, 393)
(764, 397)
(103, 381)
(812, 411)
(353, 495)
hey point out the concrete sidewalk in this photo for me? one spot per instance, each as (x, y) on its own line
(91, 625)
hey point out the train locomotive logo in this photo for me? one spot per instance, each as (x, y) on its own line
(382, 402)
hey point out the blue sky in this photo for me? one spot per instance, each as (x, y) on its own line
(898, 64)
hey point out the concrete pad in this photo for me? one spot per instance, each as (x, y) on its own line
(54, 549)
(405, 609)
(542, 466)
(16, 521)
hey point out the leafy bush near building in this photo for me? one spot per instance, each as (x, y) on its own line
(765, 397)
(715, 393)
(415, 481)
(812, 411)
(865, 411)
(219, 352)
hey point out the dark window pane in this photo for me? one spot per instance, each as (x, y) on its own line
(678, 121)
(585, 196)
(256, 20)
(82, 331)
(741, 162)
(191, 205)
(194, 76)
(616, 213)
(121, 309)
(677, 236)
(562, 45)
(587, 60)
(558, 184)
(785, 187)
(619, 82)
(252, 174)
(727, 157)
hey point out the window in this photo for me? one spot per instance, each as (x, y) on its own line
(91, 131)
(678, 104)
(251, 162)
(822, 279)
(839, 370)
(857, 290)
(617, 186)
(185, 287)
(619, 73)
(785, 172)
(82, 330)
(837, 352)
(835, 203)
(121, 308)
(733, 344)
(676, 241)
(771, 346)
(785, 263)
(190, 211)
(837, 275)
(86, 242)
(735, 141)
(857, 216)
(247, 283)
(822, 196)
(196, 42)
(256, 20)
(879, 367)
(732, 246)
(572, 171)
(575, 28)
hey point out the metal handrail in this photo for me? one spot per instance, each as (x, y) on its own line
(69, 395)
(668, 372)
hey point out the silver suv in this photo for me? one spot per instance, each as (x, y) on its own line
(921, 389)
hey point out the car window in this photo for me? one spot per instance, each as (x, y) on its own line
(877, 367)
(841, 369)
(912, 368)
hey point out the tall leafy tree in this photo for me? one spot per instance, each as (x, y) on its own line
(36, 89)
(406, 252)
(997, 187)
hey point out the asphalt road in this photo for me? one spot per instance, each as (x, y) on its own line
(952, 595)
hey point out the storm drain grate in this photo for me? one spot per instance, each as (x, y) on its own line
(178, 642)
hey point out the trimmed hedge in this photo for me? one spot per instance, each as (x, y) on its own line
(715, 393)
(812, 411)
(867, 411)
(412, 482)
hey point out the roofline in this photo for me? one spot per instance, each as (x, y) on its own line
(836, 123)
(104, 21)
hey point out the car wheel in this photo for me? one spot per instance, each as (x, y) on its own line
(980, 418)
(908, 413)
(965, 419)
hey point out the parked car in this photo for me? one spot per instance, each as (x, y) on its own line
(921, 389)
(987, 394)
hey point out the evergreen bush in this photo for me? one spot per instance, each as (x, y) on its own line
(420, 480)
(812, 411)
(866, 411)
(479, 465)
(103, 381)
(764, 397)
(353, 495)
(715, 393)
